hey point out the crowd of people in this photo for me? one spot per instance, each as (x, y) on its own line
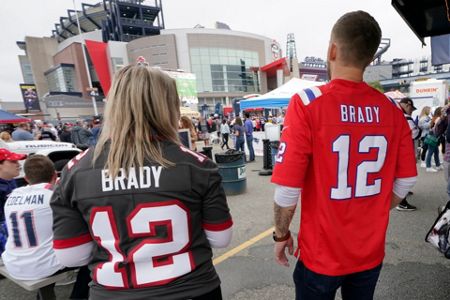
(144, 211)
(232, 132)
(82, 133)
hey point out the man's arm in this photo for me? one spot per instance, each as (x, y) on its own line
(401, 188)
(286, 199)
(283, 218)
(395, 200)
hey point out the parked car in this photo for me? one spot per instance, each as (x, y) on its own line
(58, 152)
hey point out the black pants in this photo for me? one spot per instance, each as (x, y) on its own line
(215, 294)
(81, 287)
(356, 286)
(225, 140)
(424, 150)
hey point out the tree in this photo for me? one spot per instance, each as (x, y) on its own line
(377, 85)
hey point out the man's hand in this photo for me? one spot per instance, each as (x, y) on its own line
(280, 253)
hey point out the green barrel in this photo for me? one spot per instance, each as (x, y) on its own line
(232, 169)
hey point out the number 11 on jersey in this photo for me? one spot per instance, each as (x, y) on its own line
(341, 146)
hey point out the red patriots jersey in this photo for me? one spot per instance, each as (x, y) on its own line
(344, 144)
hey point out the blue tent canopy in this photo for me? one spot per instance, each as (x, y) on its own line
(265, 103)
(279, 97)
(7, 117)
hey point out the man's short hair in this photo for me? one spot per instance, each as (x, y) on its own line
(38, 169)
(358, 36)
(247, 115)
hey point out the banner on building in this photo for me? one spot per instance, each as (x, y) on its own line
(186, 86)
(30, 97)
(440, 49)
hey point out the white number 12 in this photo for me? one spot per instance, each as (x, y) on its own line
(362, 189)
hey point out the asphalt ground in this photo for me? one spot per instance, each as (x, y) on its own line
(412, 268)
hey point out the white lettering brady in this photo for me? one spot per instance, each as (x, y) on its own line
(358, 114)
(145, 177)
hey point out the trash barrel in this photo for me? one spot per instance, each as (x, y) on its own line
(274, 150)
(232, 169)
(207, 151)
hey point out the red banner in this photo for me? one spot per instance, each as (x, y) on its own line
(98, 53)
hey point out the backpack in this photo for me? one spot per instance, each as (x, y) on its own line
(439, 234)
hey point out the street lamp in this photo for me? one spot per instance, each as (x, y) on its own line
(83, 44)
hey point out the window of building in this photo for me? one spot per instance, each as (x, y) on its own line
(117, 63)
(62, 79)
(225, 70)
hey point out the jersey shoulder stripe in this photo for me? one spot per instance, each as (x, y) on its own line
(309, 95)
(394, 102)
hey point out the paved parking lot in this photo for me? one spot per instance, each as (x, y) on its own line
(412, 268)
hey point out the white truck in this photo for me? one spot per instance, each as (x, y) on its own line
(431, 92)
(58, 152)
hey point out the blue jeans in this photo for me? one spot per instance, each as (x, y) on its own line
(433, 150)
(447, 177)
(250, 147)
(239, 146)
(313, 286)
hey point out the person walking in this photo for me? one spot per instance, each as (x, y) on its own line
(225, 132)
(147, 210)
(344, 149)
(81, 136)
(433, 148)
(424, 126)
(248, 124)
(407, 106)
(239, 133)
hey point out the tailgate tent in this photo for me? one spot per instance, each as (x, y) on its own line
(7, 117)
(280, 96)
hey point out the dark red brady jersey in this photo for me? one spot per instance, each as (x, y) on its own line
(148, 226)
(344, 144)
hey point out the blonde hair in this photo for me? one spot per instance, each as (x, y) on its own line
(142, 111)
(186, 122)
(425, 111)
(5, 136)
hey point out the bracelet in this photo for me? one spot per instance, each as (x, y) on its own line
(283, 238)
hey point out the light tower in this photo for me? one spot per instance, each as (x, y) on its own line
(291, 51)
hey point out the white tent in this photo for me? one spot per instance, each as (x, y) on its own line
(280, 96)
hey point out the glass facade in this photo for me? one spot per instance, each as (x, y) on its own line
(62, 79)
(225, 70)
(26, 69)
(117, 63)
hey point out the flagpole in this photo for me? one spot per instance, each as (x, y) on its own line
(83, 44)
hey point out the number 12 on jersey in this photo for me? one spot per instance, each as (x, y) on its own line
(341, 146)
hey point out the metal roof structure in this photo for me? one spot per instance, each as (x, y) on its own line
(425, 17)
(120, 20)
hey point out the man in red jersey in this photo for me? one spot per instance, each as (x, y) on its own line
(347, 149)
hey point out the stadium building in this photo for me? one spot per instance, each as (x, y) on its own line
(226, 63)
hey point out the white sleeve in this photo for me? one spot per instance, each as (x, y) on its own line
(286, 196)
(75, 256)
(403, 185)
(219, 239)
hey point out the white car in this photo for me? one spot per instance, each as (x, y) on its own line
(58, 152)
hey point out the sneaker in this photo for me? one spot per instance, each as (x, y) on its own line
(423, 164)
(441, 167)
(431, 170)
(405, 206)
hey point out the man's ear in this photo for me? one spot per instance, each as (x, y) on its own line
(332, 51)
